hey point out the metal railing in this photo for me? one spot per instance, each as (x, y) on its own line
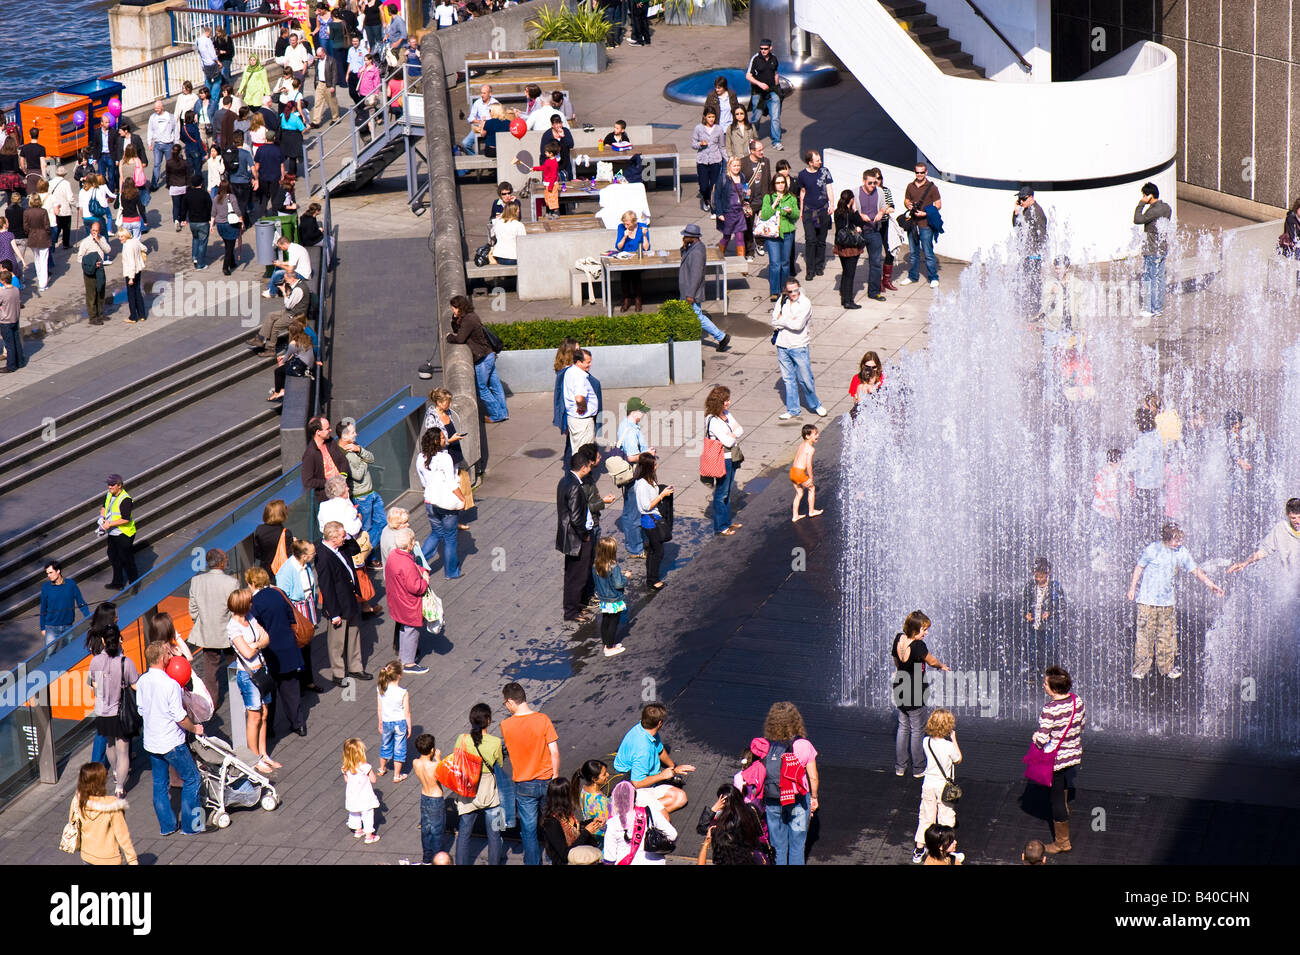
(323, 162)
(44, 710)
(325, 303)
(1024, 64)
(162, 76)
(187, 23)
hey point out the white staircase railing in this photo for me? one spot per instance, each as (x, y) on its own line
(1034, 132)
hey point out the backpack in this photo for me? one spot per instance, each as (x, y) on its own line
(91, 263)
(618, 467)
(777, 763)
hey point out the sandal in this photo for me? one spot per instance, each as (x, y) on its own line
(728, 532)
(398, 777)
(263, 767)
(382, 772)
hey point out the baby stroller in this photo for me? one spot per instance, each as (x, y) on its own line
(229, 782)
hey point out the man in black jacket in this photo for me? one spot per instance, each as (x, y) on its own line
(320, 444)
(575, 535)
(340, 594)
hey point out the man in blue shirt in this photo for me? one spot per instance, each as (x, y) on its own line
(648, 766)
(1156, 569)
(60, 598)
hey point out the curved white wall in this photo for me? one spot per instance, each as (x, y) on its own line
(1007, 131)
(1088, 225)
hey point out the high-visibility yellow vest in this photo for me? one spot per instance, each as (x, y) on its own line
(111, 505)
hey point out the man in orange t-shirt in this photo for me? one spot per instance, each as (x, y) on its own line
(534, 751)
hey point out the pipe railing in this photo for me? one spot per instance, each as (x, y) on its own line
(1024, 64)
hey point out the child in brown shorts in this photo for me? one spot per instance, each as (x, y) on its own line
(801, 475)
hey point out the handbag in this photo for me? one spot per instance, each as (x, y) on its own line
(849, 236)
(280, 555)
(712, 457)
(431, 607)
(70, 840)
(769, 228)
(737, 455)
(481, 255)
(364, 547)
(656, 840)
(96, 208)
(128, 710)
(365, 586)
(951, 791)
(303, 629)
(493, 340)
(261, 680)
(460, 772)
(1039, 763)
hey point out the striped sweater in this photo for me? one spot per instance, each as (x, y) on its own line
(1052, 722)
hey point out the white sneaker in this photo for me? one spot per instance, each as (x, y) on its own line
(1139, 675)
(784, 416)
(904, 281)
(934, 283)
(267, 293)
(1175, 673)
(821, 411)
(959, 858)
(614, 650)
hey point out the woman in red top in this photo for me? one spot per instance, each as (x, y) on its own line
(869, 379)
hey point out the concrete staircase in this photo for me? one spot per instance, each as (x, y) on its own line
(939, 46)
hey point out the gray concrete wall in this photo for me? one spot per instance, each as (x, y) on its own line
(546, 259)
(617, 366)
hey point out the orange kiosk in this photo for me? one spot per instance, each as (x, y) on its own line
(52, 114)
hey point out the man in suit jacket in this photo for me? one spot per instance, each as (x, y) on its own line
(575, 535)
(208, 593)
(106, 151)
(340, 593)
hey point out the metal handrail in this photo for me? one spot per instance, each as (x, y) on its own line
(324, 300)
(353, 140)
(1024, 64)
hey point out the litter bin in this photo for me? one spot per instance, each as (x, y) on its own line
(265, 236)
(99, 92)
(52, 114)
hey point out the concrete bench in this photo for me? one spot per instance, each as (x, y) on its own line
(473, 271)
(476, 162)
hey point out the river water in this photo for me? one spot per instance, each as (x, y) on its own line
(52, 43)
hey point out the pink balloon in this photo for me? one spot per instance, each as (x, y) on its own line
(115, 106)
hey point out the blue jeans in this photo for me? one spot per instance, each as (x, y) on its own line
(393, 741)
(796, 373)
(490, 391)
(631, 522)
(722, 496)
(199, 243)
(277, 279)
(787, 827)
(433, 824)
(179, 759)
(706, 323)
(443, 526)
(160, 153)
(99, 750)
(469, 142)
(528, 803)
(773, 108)
(922, 242)
(1153, 283)
(909, 740)
(105, 166)
(494, 817)
(778, 262)
(373, 518)
(54, 631)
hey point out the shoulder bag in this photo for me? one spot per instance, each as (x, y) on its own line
(70, 840)
(460, 772)
(951, 791)
(281, 552)
(128, 711)
(713, 457)
(303, 629)
(656, 840)
(769, 228)
(1039, 762)
(849, 236)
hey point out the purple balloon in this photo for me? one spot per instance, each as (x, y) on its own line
(79, 117)
(112, 119)
(115, 106)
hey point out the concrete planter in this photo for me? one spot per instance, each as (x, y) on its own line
(579, 57)
(617, 366)
(713, 13)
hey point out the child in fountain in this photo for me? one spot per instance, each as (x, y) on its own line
(1043, 602)
(1106, 484)
(801, 475)
(1156, 627)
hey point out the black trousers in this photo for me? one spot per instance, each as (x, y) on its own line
(228, 262)
(589, 584)
(64, 225)
(640, 25)
(609, 628)
(577, 571)
(654, 551)
(849, 263)
(135, 298)
(1062, 780)
(814, 247)
(244, 194)
(288, 696)
(121, 557)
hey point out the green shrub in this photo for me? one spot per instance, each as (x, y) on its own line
(564, 26)
(675, 320)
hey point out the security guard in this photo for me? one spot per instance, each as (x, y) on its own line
(115, 520)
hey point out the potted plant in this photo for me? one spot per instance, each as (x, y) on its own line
(578, 36)
(635, 350)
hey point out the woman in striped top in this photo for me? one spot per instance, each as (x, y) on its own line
(1060, 729)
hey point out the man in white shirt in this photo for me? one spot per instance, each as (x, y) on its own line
(165, 723)
(207, 51)
(479, 112)
(296, 58)
(299, 261)
(325, 74)
(161, 136)
(356, 63)
(580, 402)
(791, 317)
(445, 14)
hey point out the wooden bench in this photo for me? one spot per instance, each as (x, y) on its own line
(513, 88)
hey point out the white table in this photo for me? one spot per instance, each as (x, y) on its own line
(659, 262)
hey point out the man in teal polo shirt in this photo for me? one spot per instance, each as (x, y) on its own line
(648, 766)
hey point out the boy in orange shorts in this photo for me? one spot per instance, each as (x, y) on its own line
(801, 473)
